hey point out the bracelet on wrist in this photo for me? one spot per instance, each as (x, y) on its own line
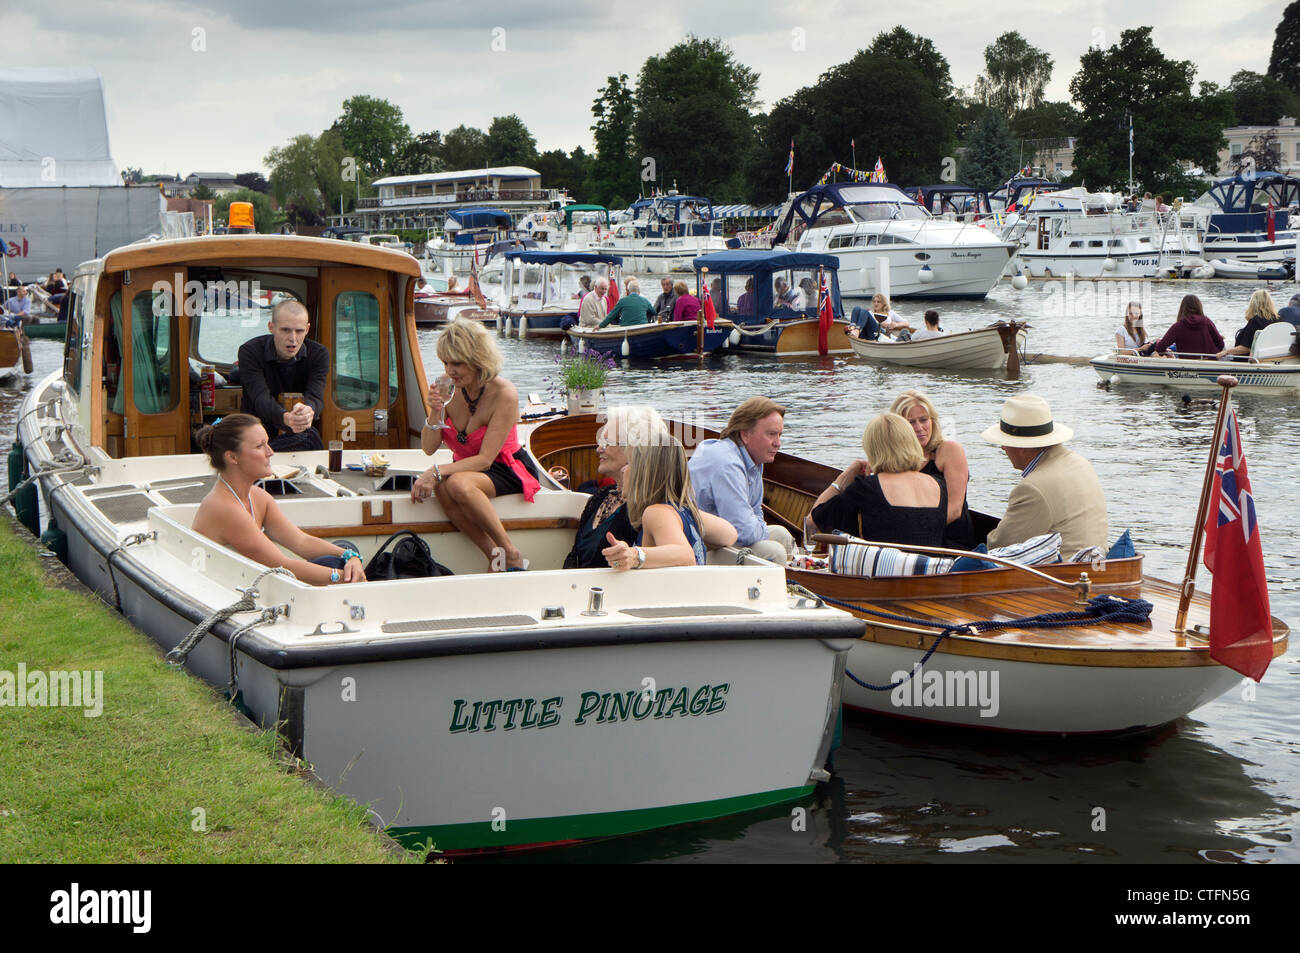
(437, 473)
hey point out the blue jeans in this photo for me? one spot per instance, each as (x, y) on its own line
(866, 323)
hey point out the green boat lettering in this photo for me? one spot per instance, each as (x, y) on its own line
(593, 707)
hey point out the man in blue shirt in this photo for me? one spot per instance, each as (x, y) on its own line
(727, 475)
(19, 305)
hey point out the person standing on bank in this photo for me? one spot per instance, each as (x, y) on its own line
(1058, 490)
(728, 476)
(478, 426)
(285, 362)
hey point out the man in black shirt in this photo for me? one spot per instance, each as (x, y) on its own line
(285, 362)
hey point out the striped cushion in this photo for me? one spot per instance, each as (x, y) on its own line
(1039, 549)
(857, 559)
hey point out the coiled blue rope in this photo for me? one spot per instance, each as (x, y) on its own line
(1100, 609)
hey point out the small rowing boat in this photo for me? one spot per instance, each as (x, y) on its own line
(1269, 369)
(982, 349)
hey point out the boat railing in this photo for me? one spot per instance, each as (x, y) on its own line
(1082, 587)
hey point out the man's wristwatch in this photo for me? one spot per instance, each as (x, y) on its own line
(640, 558)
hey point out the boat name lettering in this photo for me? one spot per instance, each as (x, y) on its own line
(593, 707)
(963, 254)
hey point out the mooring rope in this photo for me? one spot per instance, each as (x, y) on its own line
(48, 468)
(1099, 609)
(133, 540)
(762, 330)
(246, 603)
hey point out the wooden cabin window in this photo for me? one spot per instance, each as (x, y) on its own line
(153, 333)
(392, 364)
(72, 343)
(113, 350)
(355, 350)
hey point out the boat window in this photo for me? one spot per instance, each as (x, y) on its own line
(1076, 244)
(355, 350)
(226, 320)
(72, 343)
(153, 332)
(1116, 242)
(740, 294)
(392, 363)
(113, 356)
(1095, 244)
(1144, 241)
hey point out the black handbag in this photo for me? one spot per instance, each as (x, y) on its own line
(409, 558)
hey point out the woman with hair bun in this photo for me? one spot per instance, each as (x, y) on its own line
(238, 514)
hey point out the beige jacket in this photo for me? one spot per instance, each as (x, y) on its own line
(1061, 495)
(592, 311)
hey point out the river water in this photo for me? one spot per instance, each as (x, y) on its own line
(1220, 786)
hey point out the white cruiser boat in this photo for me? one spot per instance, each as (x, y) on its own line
(878, 229)
(478, 711)
(1087, 235)
(665, 234)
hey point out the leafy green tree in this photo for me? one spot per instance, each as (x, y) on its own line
(264, 216)
(1260, 100)
(465, 148)
(308, 176)
(422, 154)
(252, 180)
(202, 192)
(373, 131)
(132, 174)
(903, 121)
(902, 44)
(1171, 123)
(1015, 75)
(694, 108)
(509, 142)
(991, 156)
(614, 168)
(1284, 63)
(1262, 154)
(1045, 128)
(565, 171)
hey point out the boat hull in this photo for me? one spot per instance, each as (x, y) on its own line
(651, 341)
(968, 350)
(964, 272)
(796, 339)
(1281, 378)
(542, 325)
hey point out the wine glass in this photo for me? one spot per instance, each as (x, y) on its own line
(446, 387)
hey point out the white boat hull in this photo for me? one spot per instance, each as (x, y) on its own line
(968, 350)
(1191, 374)
(959, 271)
(655, 257)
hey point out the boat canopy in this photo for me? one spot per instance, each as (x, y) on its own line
(753, 261)
(535, 256)
(1011, 192)
(742, 282)
(500, 248)
(1252, 193)
(873, 201)
(570, 209)
(478, 218)
(951, 198)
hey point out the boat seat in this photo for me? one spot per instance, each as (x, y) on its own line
(1273, 342)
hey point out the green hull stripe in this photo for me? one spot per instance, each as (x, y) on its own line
(539, 830)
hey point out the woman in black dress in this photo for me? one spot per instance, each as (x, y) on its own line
(944, 460)
(889, 499)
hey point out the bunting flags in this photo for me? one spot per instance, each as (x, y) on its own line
(878, 173)
(857, 175)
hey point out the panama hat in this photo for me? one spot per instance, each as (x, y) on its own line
(1027, 422)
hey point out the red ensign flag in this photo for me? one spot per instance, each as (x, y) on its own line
(825, 319)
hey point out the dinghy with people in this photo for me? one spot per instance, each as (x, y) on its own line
(1271, 368)
(472, 711)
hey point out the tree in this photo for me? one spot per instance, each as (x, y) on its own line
(991, 155)
(614, 169)
(1171, 124)
(903, 121)
(1262, 154)
(1284, 63)
(465, 148)
(570, 172)
(202, 192)
(1015, 75)
(422, 154)
(264, 217)
(694, 108)
(1044, 129)
(253, 180)
(1260, 100)
(307, 176)
(373, 132)
(901, 44)
(132, 174)
(509, 142)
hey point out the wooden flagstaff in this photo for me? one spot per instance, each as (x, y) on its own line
(1227, 382)
(701, 277)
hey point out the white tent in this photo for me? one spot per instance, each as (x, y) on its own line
(53, 131)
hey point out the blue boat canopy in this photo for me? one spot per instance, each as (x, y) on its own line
(1252, 193)
(478, 218)
(753, 261)
(534, 256)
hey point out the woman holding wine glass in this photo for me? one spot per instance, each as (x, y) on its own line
(473, 410)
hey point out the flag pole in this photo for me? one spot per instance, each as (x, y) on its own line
(702, 277)
(1227, 382)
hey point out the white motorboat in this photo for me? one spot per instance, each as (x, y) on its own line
(1275, 270)
(1270, 368)
(886, 242)
(665, 234)
(478, 711)
(980, 349)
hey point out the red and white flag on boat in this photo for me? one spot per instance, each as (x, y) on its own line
(878, 173)
(611, 299)
(825, 319)
(1241, 626)
(1272, 229)
(710, 312)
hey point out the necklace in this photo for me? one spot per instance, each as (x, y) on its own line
(249, 504)
(472, 403)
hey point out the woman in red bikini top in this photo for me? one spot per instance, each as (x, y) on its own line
(478, 426)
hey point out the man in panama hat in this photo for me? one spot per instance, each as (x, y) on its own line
(1058, 491)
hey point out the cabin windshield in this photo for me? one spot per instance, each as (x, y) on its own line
(225, 321)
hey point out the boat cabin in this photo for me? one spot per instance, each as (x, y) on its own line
(540, 279)
(145, 319)
(754, 285)
(953, 202)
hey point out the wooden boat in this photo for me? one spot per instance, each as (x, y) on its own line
(490, 711)
(1099, 678)
(15, 356)
(983, 349)
(436, 310)
(1270, 368)
(654, 342)
(541, 289)
(764, 324)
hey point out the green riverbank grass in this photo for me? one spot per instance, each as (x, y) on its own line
(124, 787)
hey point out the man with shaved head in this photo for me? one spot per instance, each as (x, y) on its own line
(285, 362)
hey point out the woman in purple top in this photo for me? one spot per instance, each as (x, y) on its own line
(1192, 334)
(687, 306)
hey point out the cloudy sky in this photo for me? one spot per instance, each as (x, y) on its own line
(193, 86)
